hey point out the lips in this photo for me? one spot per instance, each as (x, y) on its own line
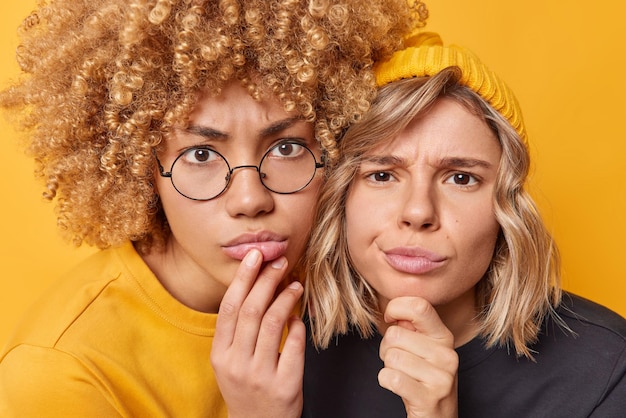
(270, 245)
(413, 260)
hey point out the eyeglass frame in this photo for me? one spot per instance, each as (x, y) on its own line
(229, 176)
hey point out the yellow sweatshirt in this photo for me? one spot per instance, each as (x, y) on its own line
(110, 341)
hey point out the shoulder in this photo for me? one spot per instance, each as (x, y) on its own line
(578, 369)
(586, 341)
(61, 305)
(106, 263)
(582, 315)
(583, 331)
(596, 351)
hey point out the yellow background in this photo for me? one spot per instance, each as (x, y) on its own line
(566, 61)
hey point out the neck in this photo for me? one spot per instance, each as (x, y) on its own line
(460, 317)
(184, 281)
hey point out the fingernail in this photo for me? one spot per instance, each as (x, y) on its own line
(279, 262)
(252, 258)
(296, 285)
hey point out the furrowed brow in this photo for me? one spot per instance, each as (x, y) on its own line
(383, 160)
(279, 126)
(464, 162)
(206, 132)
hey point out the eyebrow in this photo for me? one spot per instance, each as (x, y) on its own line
(464, 162)
(215, 134)
(383, 160)
(459, 162)
(206, 132)
(280, 126)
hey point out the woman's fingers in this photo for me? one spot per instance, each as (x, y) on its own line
(252, 317)
(254, 308)
(420, 314)
(439, 378)
(291, 363)
(250, 370)
(234, 298)
(420, 361)
(275, 319)
(437, 351)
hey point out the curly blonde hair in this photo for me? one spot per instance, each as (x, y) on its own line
(521, 285)
(104, 82)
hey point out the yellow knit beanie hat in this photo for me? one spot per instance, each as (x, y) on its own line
(425, 55)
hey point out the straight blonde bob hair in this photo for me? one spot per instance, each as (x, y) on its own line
(521, 285)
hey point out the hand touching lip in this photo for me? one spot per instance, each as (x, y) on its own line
(269, 244)
(413, 260)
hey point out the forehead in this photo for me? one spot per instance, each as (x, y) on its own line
(235, 121)
(235, 103)
(447, 128)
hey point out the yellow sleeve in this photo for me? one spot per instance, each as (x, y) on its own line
(45, 382)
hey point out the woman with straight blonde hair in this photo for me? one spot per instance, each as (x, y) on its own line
(433, 285)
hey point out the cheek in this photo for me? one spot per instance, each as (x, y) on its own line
(184, 216)
(169, 200)
(479, 239)
(364, 221)
(302, 205)
(300, 217)
(167, 193)
(485, 241)
(297, 212)
(354, 226)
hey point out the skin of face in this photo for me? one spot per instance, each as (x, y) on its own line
(420, 216)
(209, 238)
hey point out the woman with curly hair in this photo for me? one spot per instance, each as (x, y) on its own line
(182, 137)
(433, 285)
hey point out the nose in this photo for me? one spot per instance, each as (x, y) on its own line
(246, 195)
(419, 207)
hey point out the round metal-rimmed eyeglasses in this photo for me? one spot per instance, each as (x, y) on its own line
(201, 173)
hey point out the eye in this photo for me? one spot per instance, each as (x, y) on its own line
(286, 149)
(462, 179)
(199, 155)
(380, 177)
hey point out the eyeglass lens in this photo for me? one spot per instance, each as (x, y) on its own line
(203, 174)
